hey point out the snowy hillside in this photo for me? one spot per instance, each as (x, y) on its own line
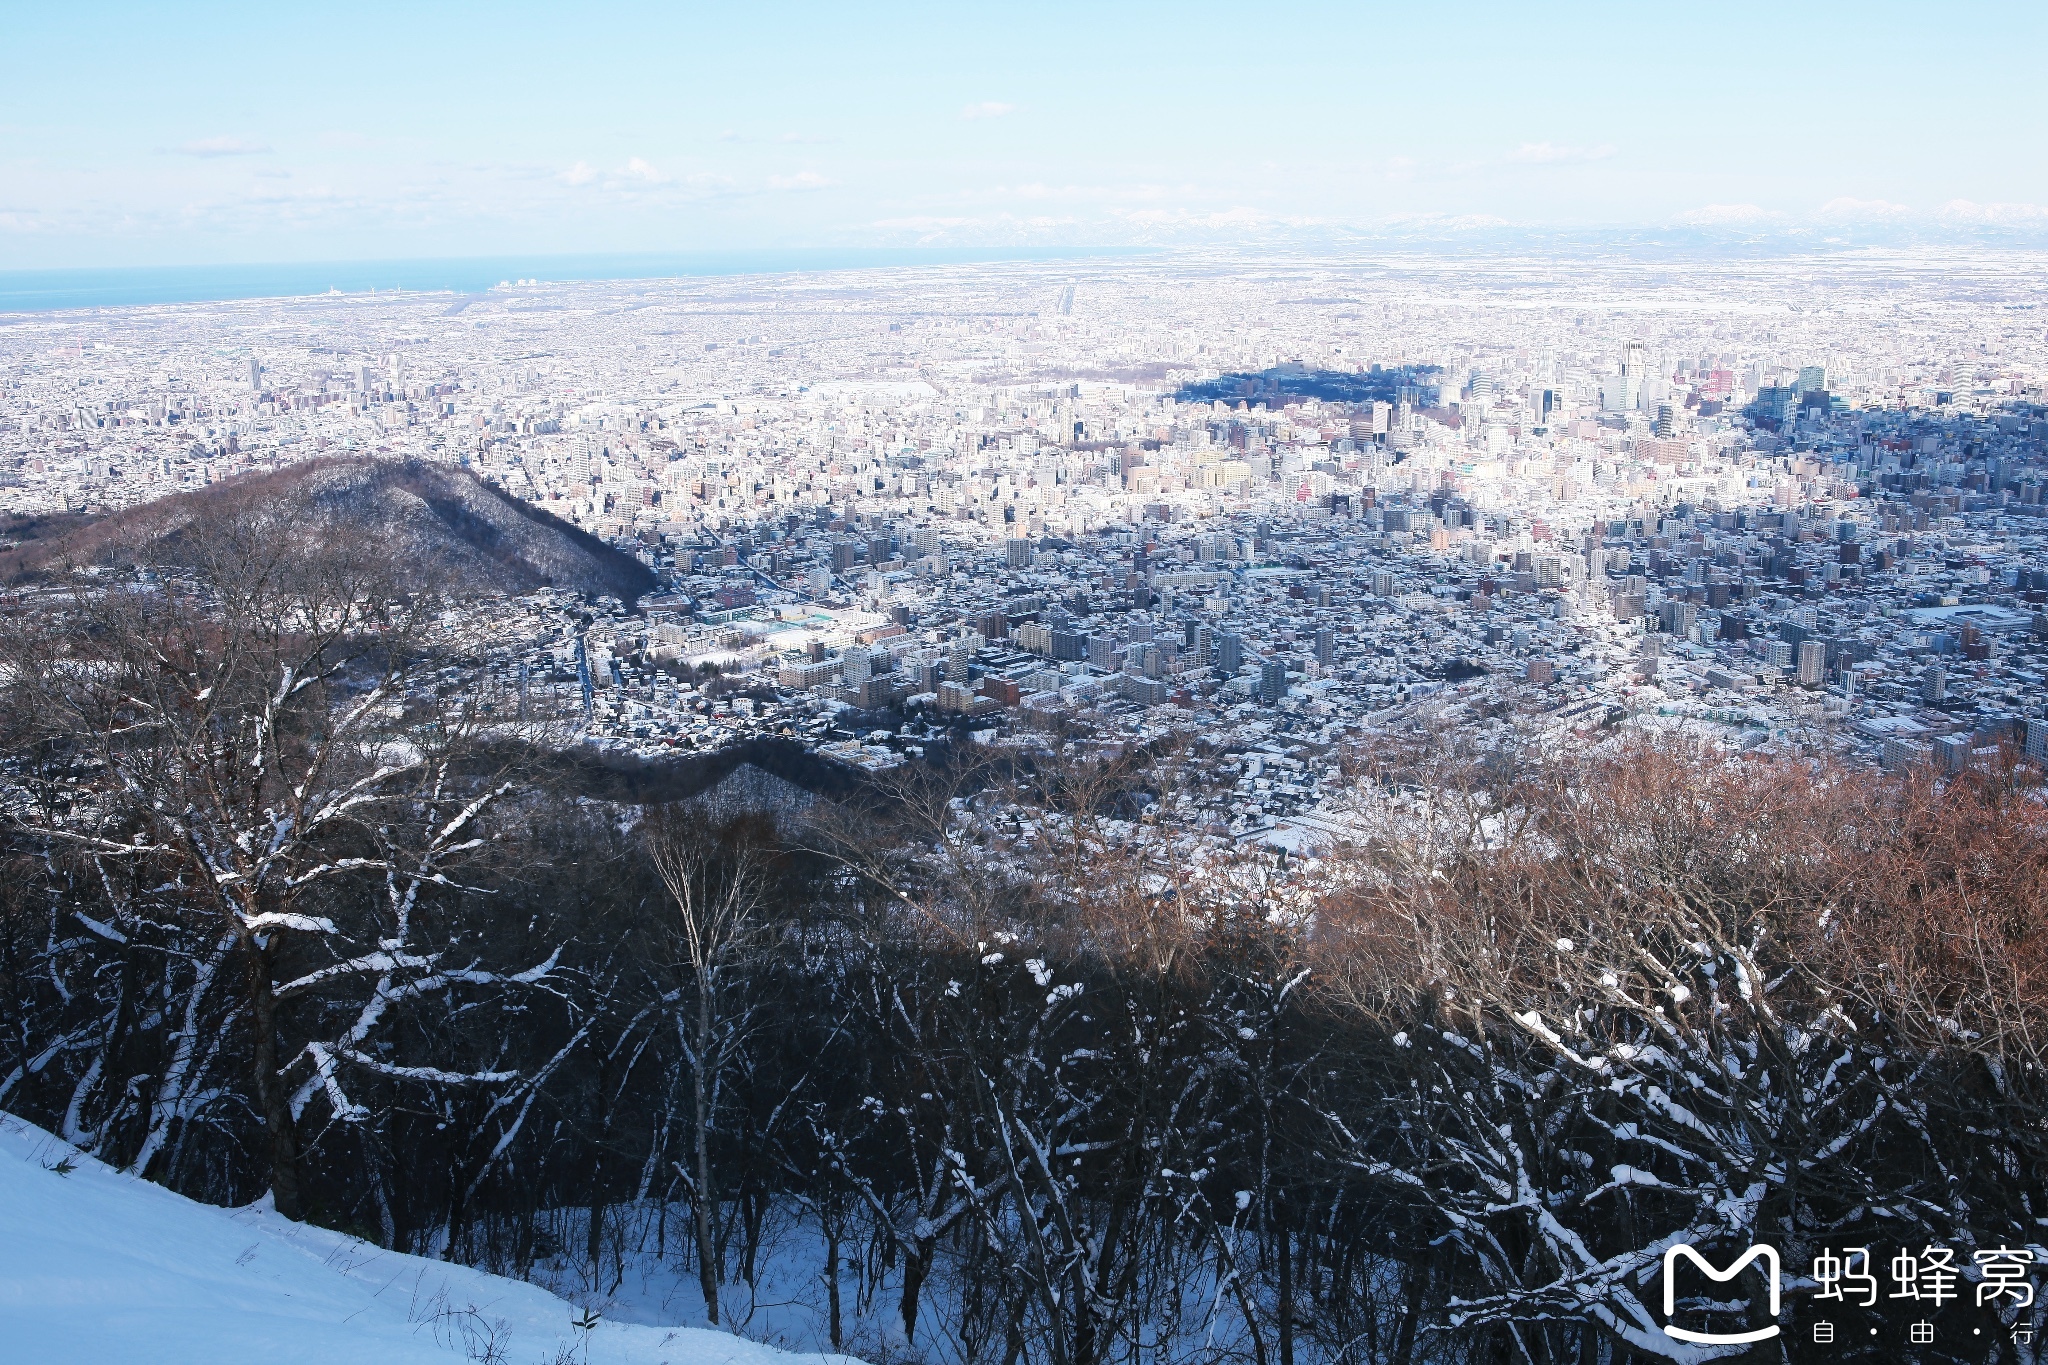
(100, 1267)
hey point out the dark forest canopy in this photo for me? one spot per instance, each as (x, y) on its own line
(1283, 382)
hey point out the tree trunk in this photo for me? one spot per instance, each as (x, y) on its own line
(1013, 1338)
(916, 1258)
(753, 1211)
(707, 1251)
(271, 1100)
(831, 1229)
(1286, 1305)
(1404, 1344)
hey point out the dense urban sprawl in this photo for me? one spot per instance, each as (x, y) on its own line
(1284, 514)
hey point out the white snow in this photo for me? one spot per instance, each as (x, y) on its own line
(97, 1266)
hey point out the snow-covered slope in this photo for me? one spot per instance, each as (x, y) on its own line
(100, 1267)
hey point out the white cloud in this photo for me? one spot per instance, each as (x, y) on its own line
(802, 180)
(787, 139)
(1409, 169)
(988, 109)
(1036, 190)
(922, 224)
(1443, 222)
(221, 146)
(1550, 154)
(636, 169)
(1846, 209)
(582, 173)
(995, 229)
(1726, 215)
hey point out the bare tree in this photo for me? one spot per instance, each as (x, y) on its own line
(259, 723)
(1616, 1025)
(713, 875)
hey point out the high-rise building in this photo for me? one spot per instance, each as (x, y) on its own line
(1813, 662)
(1272, 681)
(1897, 754)
(1777, 404)
(1678, 617)
(1326, 646)
(1812, 379)
(1371, 419)
(255, 373)
(1229, 653)
(1634, 367)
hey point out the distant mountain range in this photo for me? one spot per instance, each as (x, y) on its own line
(1711, 231)
(443, 520)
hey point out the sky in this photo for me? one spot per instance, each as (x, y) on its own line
(203, 133)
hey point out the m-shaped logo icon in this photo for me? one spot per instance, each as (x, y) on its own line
(1767, 1254)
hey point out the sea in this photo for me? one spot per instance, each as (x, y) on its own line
(38, 291)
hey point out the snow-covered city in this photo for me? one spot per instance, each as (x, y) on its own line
(1093, 684)
(1294, 509)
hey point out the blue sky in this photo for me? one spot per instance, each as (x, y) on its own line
(157, 134)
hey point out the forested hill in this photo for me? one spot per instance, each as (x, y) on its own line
(445, 520)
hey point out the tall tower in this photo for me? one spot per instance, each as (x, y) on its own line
(1633, 367)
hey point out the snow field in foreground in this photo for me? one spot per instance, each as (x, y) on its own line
(101, 1267)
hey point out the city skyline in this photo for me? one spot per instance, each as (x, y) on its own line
(234, 136)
